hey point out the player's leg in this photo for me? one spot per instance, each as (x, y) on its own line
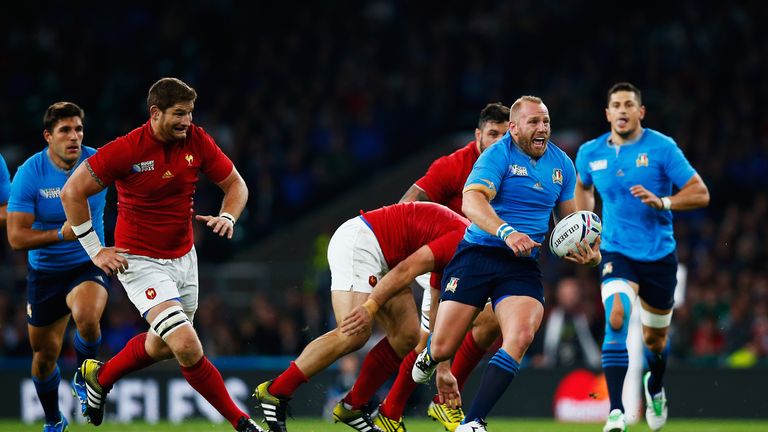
(519, 318)
(87, 301)
(46, 341)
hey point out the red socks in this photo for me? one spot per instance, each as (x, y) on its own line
(377, 367)
(287, 383)
(206, 380)
(465, 361)
(401, 390)
(131, 358)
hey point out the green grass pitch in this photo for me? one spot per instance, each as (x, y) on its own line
(413, 425)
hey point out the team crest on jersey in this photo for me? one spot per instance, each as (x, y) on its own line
(607, 268)
(557, 176)
(642, 160)
(189, 158)
(598, 165)
(167, 174)
(518, 170)
(150, 293)
(143, 166)
(50, 192)
(452, 284)
(372, 280)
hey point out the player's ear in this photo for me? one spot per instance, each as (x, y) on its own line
(154, 112)
(642, 112)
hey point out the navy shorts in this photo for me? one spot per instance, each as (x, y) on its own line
(478, 272)
(656, 279)
(47, 291)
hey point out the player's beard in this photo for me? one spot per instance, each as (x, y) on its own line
(526, 143)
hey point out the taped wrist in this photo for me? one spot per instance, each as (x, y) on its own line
(228, 217)
(372, 306)
(88, 238)
(504, 230)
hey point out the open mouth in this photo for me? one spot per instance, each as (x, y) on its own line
(539, 141)
(622, 122)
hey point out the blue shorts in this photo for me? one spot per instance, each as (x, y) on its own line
(47, 291)
(478, 272)
(656, 279)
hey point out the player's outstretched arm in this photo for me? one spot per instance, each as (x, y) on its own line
(235, 197)
(395, 281)
(694, 194)
(414, 193)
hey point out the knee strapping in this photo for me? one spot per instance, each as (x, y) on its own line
(168, 321)
(627, 296)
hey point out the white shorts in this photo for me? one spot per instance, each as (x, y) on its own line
(151, 281)
(426, 299)
(355, 258)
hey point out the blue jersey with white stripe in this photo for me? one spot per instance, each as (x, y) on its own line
(36, 189)
(5, 182)
(653, 161)
(527, 189)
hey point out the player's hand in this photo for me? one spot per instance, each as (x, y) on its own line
(220, 225)
(357, 321)
(66, 231)
(521, 244)
(110, 261)
(447, 388)
(584, 254)
(647, 197)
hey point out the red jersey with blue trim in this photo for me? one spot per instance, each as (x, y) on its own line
(403, 228)
(444, 180)
(155, 184)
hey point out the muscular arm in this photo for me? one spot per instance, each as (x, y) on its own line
(414, 193)
(565, 208)
(21, 236)
(400, 277)
(235, 194)
(694, 194)
(3, 215)
(584, 195)
(74, 195)
(477, 208)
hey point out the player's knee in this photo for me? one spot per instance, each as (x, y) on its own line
(404, 342)
(354, 342)
(89, 329)
(618, 297)
(485, 332)
(655, 339)
(44, 361)
(616, 318)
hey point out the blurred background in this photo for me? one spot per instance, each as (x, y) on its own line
(330, 107)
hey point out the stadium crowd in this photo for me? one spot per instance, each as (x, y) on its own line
(305, 113)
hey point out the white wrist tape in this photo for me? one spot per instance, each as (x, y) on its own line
(666, 203)
(228, 217)
(88, 238)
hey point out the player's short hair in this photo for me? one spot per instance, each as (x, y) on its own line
(625, 86)
(58, 111)
(167, 92)
(494, 112)
(515, 109)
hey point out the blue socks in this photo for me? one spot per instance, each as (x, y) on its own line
(85, 350)
(501, 370)
(657, 364)
(48, 393)
(615, 357)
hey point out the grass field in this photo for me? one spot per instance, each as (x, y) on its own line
(496, 425)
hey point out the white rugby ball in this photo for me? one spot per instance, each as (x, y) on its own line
(572, 229)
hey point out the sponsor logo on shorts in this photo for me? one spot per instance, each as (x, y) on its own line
(452, 284)
(150, 293)
(143, 166)
(372, 280)
(607, 268)
(557, 176)
(642, 160)
(50, 192)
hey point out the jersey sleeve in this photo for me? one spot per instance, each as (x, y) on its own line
(440, 180)
(5, 182)
(113, 161)
(569, 180)
(489, 170)
(582, 167)
(23, 190)
(677, 167)
(216, 165)
(444, 247)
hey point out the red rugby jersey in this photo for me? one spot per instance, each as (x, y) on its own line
(155, 184)
(403, 228)
(445, 178)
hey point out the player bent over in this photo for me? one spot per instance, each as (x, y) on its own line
(155, 168)
(387, 247)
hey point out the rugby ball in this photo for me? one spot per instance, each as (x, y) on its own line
(573, 229)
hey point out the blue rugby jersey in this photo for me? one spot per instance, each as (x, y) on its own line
(527, 189)
(5, 182)
(654, 161)
(36, 189)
